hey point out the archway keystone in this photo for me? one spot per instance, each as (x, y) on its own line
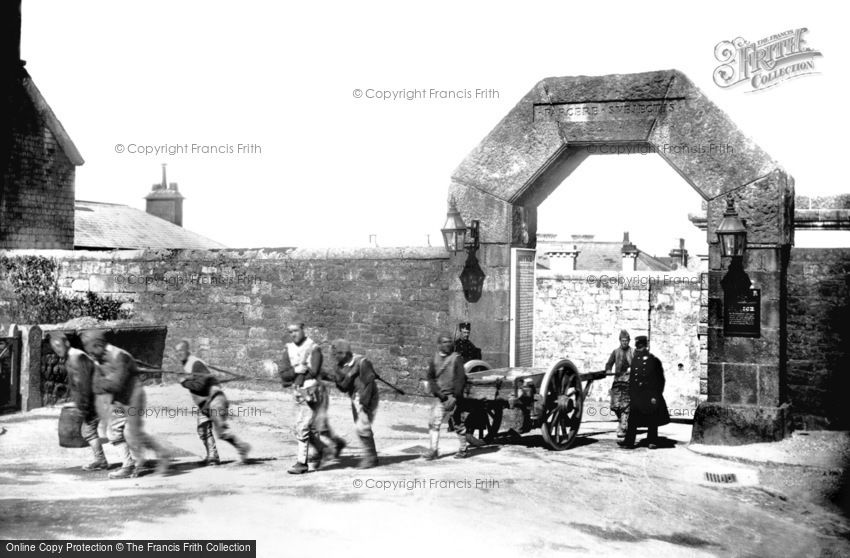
(563, 120)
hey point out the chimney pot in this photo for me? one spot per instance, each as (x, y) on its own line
(165, 201)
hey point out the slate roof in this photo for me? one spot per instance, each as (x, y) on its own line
(100, 225)
(597, 255)
(50, 120)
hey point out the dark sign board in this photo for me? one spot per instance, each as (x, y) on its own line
(742, 314)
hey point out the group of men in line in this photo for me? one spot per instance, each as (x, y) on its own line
(106, 388)
(637, 393)
(301, 368)
(103, 376)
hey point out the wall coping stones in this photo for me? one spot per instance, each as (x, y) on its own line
(366, 253)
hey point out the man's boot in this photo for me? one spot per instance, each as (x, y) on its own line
(206, 435)
(129, 468)
(318, 452)
(432, 452)
(99, 462)
(370, 454)
(339, 444)
(300, 466)
(212, 452)
(242, 447)
(463, 451)
(652, 437)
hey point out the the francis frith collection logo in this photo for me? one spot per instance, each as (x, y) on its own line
(766, 62)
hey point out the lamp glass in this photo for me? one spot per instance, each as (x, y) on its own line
(454, 231)
(733, 244)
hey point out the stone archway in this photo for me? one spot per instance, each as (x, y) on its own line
(552, 129)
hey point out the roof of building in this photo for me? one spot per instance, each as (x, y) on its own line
(100, 225)
(50, 120)
(597, 255)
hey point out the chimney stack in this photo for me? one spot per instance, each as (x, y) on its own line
(165, 201)
(680, 254)
(630, 253)
(10, 35)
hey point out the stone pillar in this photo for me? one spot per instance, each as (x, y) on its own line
(747, 399)
(30, 367)
(490, 316)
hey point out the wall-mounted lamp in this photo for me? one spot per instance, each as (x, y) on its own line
(741, 302)
(455, 232)
(457, 237)
(732, 232)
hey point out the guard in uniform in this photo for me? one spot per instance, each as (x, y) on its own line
(301, 368)
(80, 368)
(619, 363)
(463, 346)
(116, 373)
(646, 387)
(211, 405)
(446, 380)
(356, 377)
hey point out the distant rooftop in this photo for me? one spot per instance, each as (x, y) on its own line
(598, 255)
(105, 226)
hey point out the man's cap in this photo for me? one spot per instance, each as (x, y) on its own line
(341, 345)
(57, 335)
(624, 333)
(641, 340)
(90, 335)
(465, 325)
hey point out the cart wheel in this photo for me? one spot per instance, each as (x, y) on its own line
(476, 366)
(483, 422)
(562, 405)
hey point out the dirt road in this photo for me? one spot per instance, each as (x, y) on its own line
(514, 498)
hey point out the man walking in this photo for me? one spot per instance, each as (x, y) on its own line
(80, 368)
(302, 368)
(646, 387)
(446, 380)
(211, 405)
(116, 373)
(619, 363)
(356, 377)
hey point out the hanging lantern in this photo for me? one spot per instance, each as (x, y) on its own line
(472, 278)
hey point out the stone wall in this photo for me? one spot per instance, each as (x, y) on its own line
(391, 303)
(233, 305)
(36, 179)
(579, 316)
(819, 337)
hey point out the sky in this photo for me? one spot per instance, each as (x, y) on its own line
(332, 168)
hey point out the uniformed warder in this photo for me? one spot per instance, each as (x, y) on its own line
(446, 380)
(618, 364)
(646, 387)
(463, 346)
(301, 368)
(211, 405)
(80, 368)
(356, 377)
(116, 373)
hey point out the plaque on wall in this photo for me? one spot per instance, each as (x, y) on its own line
(742, 313)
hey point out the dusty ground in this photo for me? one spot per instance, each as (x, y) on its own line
(514, 498)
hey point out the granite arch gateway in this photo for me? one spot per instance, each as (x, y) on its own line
(556, 126)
